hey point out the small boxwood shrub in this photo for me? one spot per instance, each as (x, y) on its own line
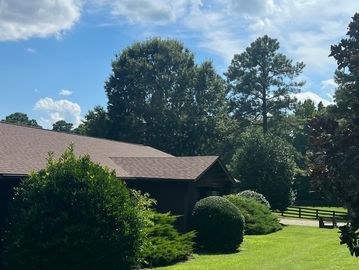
(166, 244)
(219, 225)
(259, 219)
(250, 194)
(74, 215)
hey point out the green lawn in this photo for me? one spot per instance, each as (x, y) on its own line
(292, 248)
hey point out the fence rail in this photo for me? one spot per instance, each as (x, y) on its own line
(312, 213)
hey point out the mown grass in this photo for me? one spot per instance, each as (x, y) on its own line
(293, 248)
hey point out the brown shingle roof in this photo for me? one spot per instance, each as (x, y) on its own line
(23, 149)
(180, 168)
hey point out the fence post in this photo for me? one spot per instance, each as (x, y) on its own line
(333, 214)
(300, 212)
(317, 213)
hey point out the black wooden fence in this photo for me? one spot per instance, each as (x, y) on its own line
(312, 213)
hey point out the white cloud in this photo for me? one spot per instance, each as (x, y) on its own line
(157, 12)
(215, 29)
(227, 27)
(21, 19)
(304, 35)
(30, 50)
(65, 92)
(313, 96)
(328, 87)
(251, 8)
(55, 110)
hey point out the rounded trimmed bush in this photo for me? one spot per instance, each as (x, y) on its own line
(259, 218)
(74, 215)
(250, 194)
(219, 225)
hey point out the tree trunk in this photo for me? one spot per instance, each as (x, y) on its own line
(264, 111)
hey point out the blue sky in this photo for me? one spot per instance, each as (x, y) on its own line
(56, 55)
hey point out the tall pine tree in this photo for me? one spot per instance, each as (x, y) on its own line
(260, 81)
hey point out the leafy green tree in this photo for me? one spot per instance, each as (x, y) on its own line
(62, 125)
(260, 81)
(209, 128)
(266, 164)
(20, 119)
(321, 106)
(295, 129)
(74, 215)
(335, 137)
(95, 123)
(305, 109)
(158, 96)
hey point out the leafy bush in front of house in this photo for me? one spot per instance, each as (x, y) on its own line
(250, 194)
(259, 218)
(74, 215)
(166, 245)
(266, 164)
(219, 225)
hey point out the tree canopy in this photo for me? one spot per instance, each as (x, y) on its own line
(62, 125)
(260, 81)
(335, 136)
(265, 164)
(20, 118)
(95, 123)
(159, 96)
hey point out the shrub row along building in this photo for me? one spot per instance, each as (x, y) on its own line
(177, 183)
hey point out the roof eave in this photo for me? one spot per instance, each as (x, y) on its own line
(119, 177)
(14, 174)
(156, 179)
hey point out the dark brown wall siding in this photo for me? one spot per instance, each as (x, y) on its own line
(177, 197)
(170, 197)
(215, 177)
(6, 193)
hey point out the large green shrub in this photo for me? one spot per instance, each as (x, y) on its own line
(166, 244)
(219, 225)
(259, 219)
(265, 163)
(250, 194)
(74, 215)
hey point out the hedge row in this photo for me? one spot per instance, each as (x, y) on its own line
(259, 219)
(77, 215)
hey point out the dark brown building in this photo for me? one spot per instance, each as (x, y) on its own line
(175, 182)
